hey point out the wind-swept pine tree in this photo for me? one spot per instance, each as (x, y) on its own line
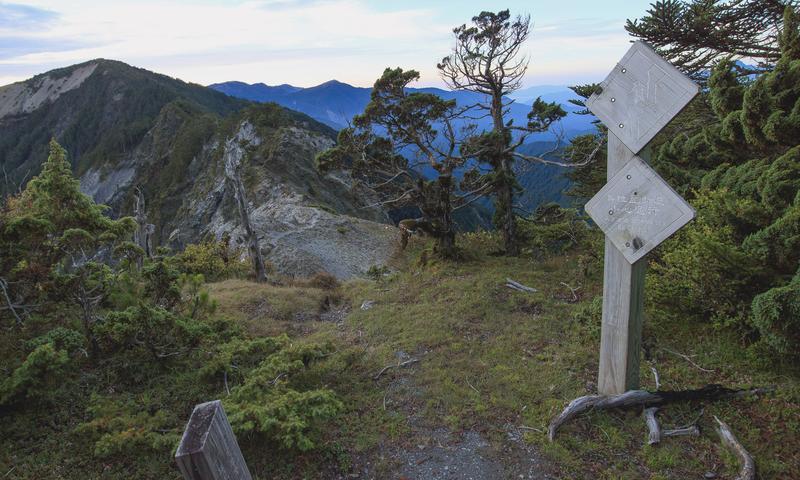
(419, 125)
(487, 59)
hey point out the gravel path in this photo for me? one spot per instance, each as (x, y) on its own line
(434, 452)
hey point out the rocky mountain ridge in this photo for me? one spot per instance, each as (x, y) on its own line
(127, 128)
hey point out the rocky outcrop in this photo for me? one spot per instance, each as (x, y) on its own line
(297, 235)
(25, 97)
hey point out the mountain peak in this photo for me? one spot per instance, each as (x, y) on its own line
(333, 83)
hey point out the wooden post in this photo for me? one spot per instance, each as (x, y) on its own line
(208, 448)
(636, 209)
(623, 303)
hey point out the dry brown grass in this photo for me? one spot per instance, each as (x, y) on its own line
(264, 310)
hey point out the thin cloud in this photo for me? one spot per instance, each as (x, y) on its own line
(303, 42)
(24, 17)
(12, 47)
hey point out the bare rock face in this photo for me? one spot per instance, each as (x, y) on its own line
(297, 236)
(301, 240)
(25, 97)
(306, 222)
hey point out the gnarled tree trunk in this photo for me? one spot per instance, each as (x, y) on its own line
(234, 152)
(446, 235)
(144, 231)
(504, 205)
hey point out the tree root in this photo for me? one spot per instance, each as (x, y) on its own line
(643, 398)
(748, 469)
(655, 433)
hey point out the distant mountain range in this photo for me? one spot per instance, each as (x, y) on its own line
(126, 128)
(335, 103)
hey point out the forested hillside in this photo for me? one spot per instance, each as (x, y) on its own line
(135, 137)
(99, 110)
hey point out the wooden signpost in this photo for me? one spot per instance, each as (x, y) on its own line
(637, 209)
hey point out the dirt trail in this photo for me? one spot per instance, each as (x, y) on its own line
(434, 452)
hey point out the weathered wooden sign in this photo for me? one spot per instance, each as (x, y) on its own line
(640, 96)
(636, 209)
(208, 448)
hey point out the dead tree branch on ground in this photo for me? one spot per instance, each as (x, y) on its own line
(748, 469)
(643, 398)
(399, 365)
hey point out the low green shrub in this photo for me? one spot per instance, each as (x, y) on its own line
(274, 389)
(776, 316)
(214, 259)
(552, 230)
(35, 377)
(122, 427)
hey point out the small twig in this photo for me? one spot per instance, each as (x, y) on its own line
(9, 472)
(573, 290)
(518, 286)
(275, 380)
(4, 288)
(693, 431)
(524, 427)
(688, 359)
(470, 386)
(399, 365)
(655, 375)
(225, 379)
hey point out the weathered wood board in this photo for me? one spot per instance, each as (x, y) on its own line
(640, 96)
(208, 448)
(637, 210)
(623, 303)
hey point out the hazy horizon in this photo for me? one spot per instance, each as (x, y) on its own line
(299, 42)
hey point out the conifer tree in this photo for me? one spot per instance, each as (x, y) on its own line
(421, 126)
(696, 34)
(738, 263)
(54, 241)
(487, 59)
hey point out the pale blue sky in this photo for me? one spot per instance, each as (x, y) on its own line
(302, 42)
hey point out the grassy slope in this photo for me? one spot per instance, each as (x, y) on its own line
(492, 360)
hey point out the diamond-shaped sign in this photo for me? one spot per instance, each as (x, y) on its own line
(640, 96)
(637, 210)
